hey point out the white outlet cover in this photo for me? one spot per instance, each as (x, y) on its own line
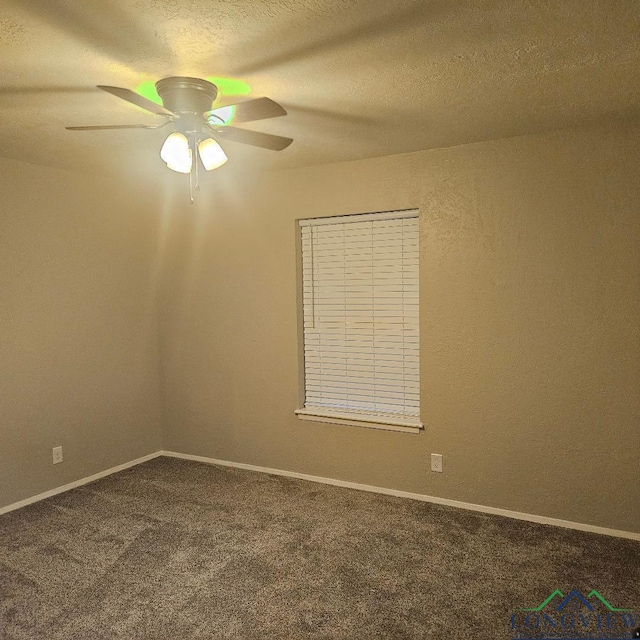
(57, 455)
(436, 462)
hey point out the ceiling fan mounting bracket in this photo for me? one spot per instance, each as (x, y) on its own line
(184, 95)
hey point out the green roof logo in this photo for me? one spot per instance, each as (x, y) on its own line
(576, 596)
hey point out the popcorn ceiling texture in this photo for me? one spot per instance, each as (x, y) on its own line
(360, 79)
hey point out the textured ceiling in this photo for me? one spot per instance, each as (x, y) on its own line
(359, 78)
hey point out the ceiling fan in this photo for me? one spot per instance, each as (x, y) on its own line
(186, 105)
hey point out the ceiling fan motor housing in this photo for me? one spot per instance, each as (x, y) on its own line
(186, 95)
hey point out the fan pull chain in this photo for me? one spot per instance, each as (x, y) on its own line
(195, 160)
(194, 185)
(191, 186)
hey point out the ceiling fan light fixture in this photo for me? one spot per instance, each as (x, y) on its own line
(176, 153)
(183, 167)
(188, 104)
(211, 154)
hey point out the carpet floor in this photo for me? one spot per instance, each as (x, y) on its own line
(176, 550)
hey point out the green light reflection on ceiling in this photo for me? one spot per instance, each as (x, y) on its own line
(226, 87)
(230, 86)
(147, 89)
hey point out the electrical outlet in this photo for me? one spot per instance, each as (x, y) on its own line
(436, 462)
(57, 455)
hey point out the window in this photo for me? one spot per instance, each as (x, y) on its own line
(360, 311)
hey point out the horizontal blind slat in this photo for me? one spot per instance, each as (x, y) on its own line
(361, 312)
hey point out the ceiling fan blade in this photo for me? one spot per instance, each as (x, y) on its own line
(254, 138)
(248, 111)
(102, 127)
(137, 99)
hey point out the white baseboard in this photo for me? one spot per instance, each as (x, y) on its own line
(517, 515)
(78, 483)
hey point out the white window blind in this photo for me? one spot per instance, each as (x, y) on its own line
(360, 306)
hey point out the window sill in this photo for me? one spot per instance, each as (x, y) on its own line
(353, 419)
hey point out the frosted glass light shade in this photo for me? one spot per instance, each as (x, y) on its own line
(183, 167)
(211, 154)
(176, 153)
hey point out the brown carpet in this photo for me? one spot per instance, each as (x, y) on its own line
(177, 550)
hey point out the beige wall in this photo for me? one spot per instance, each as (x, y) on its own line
(530, 324)
(78, 335)
(530, 332)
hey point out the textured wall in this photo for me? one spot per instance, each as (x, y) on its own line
(529, 314)
(78, 332)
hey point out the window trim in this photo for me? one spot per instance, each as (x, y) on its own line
(359, 217)
(386, 422)
(354, 419)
